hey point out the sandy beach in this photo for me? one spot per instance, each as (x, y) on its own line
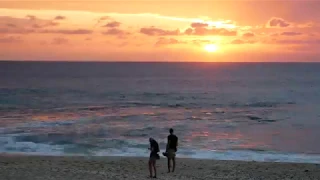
(16, 167)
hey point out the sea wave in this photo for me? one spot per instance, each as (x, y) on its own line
(8, 145)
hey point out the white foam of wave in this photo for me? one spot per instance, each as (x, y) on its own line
(8, 145)
(220, 155)
(246, 155)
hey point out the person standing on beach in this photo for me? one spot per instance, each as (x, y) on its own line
(171, 150)
(154, 149)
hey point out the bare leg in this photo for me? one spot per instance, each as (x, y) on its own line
(174, 163)
(154, 168)
(150, 168)
(168, 164)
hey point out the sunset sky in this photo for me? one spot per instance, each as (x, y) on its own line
(160, 30)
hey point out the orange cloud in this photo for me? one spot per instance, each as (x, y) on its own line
(203, 29)
(31, 17)
(239, 41)
(198, 42)
(168, 41)
(11, 25)
(123, 44)
(196, 29)
(60, 18)
(16, 31)
(291, 33)
(65, 31)
(59, 41)
(296, 41)
(10, 39)
(278, 22)
(32, 24)
(112, 24)
(49, 24)
(115, 31)
(24, 25)
(102, 19)
(152, 31)
(199, 25)
(200, 31)
(46, 31)
(248, 35)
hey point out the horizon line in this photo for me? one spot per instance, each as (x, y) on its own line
(103, 61)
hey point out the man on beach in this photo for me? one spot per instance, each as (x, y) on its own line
(171, 150)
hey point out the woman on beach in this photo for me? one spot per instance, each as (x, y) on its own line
(154, 149)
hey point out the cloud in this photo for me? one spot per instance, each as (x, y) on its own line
(281, 23)
(307, 41)
(239, 41)
(307, 25)
(248, 35)
(52, 24)
(115, 31)
(287, 33)
(112, 24)
(210, 32)
(198, 42)
(46, 31)
(278, 22)
(123, 44)
(101, 19)
(12, 22)
(31, 17)
(294, 41)
(59, 41)
(196, 29)
(48, 24)
(203, 29)
(153, 31)
(188, 31)
(37, 26)
(10, 39)
(291, 33)
(16, 31)
(199, 25)
(65, 31)
(25, 24)
(11, 25)
(168, 41)
(60, 18)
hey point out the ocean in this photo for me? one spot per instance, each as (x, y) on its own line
(225, 111)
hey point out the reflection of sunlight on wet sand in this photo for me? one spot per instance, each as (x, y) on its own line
(73, 115)
(119, 124)
(207, 140)
(54, 117)
(250, 145)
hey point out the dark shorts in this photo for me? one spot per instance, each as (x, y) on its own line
(171, 153)
(154, 156)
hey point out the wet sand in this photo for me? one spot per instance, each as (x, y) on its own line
(19, 167)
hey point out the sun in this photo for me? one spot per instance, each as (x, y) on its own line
(211, 47)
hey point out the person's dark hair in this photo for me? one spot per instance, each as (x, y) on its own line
(171, 130)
